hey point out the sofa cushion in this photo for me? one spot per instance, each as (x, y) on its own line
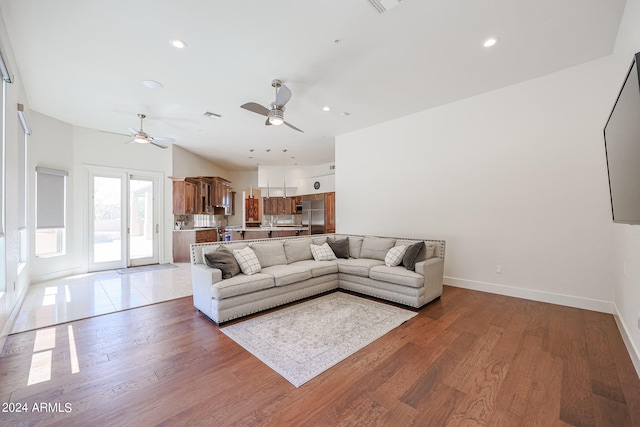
(298, 249)
(242, 284)
(355, 246)
(319, 240)
(269, 253)
(247, 261)
(430, 247)
(340, 247)
(398, 275)
(376, 247)
(319, 268)
(395, 255)
(287, 274)
(231, 247)
(357, 266)
(322, 252)
(413, 254)
(223, 259)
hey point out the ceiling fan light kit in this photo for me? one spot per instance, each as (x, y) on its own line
(275, 114)
(141, 137)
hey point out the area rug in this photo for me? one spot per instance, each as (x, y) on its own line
(144, 268)
(304, 340)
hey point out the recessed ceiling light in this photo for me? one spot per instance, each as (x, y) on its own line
(326, 108)
(490, 42)
(178, 44)
(152, 84)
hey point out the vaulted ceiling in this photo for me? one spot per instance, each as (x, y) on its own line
(84, 62)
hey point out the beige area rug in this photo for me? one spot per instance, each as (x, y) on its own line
(304, 340)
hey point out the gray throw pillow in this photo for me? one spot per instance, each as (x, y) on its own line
(414, 253)
(223, 259)
(340, 247)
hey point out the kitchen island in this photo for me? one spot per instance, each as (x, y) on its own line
(182, 240)
(240, 233)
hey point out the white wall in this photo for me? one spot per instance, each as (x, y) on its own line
(51, 145)
(515, 177)
(626, 237)
(185, 163)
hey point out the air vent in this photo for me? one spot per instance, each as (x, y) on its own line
(211, 115)
(383, 6)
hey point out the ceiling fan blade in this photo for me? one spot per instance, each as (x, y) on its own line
(268, 123)
(152, 142)
(133, 131)
(163, 139)
(283, 96)
(115, 133)
(256, 108)
(293, 127)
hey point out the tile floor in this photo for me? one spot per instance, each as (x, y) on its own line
(92, 294)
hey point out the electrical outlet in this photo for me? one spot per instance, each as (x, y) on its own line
(499, 269)
(638, 321)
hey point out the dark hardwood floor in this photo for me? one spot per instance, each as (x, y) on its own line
(470, 358)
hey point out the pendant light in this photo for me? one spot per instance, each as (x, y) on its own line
(284, 173)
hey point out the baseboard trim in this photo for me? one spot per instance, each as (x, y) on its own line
(532, 294)
(39, 278)
(11, 320)
(634, 354)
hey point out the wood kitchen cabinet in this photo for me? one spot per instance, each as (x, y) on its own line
(251, 209)
(279, 205)
(330, 212)
(184, 196)
(183, 239)
(219, 193)
(202, 195)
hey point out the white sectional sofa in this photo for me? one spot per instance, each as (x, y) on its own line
(288, 272)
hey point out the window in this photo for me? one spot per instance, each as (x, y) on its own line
(50, 211)
(6, 78)
(23, 188)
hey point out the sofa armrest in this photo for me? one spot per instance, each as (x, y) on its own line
(433, 272)
(202, 278)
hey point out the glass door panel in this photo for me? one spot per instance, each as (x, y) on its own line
(143, 242)
(106, 248)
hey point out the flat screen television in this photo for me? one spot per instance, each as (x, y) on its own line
(622, 147)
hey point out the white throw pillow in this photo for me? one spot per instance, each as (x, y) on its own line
(322, 252)
(247, 260)
(395, 255)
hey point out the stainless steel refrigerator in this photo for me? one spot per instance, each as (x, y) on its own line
(313, 216)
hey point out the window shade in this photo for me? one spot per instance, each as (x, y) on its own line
(50, 197)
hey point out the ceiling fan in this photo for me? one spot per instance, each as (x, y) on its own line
(141, 137)
(275, 114)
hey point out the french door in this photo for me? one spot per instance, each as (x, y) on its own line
(123, 219)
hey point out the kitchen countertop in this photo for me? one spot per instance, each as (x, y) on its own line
(283, 228)
(196, 229)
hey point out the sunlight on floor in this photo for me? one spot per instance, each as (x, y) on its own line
(86, 295)
(40, 370)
